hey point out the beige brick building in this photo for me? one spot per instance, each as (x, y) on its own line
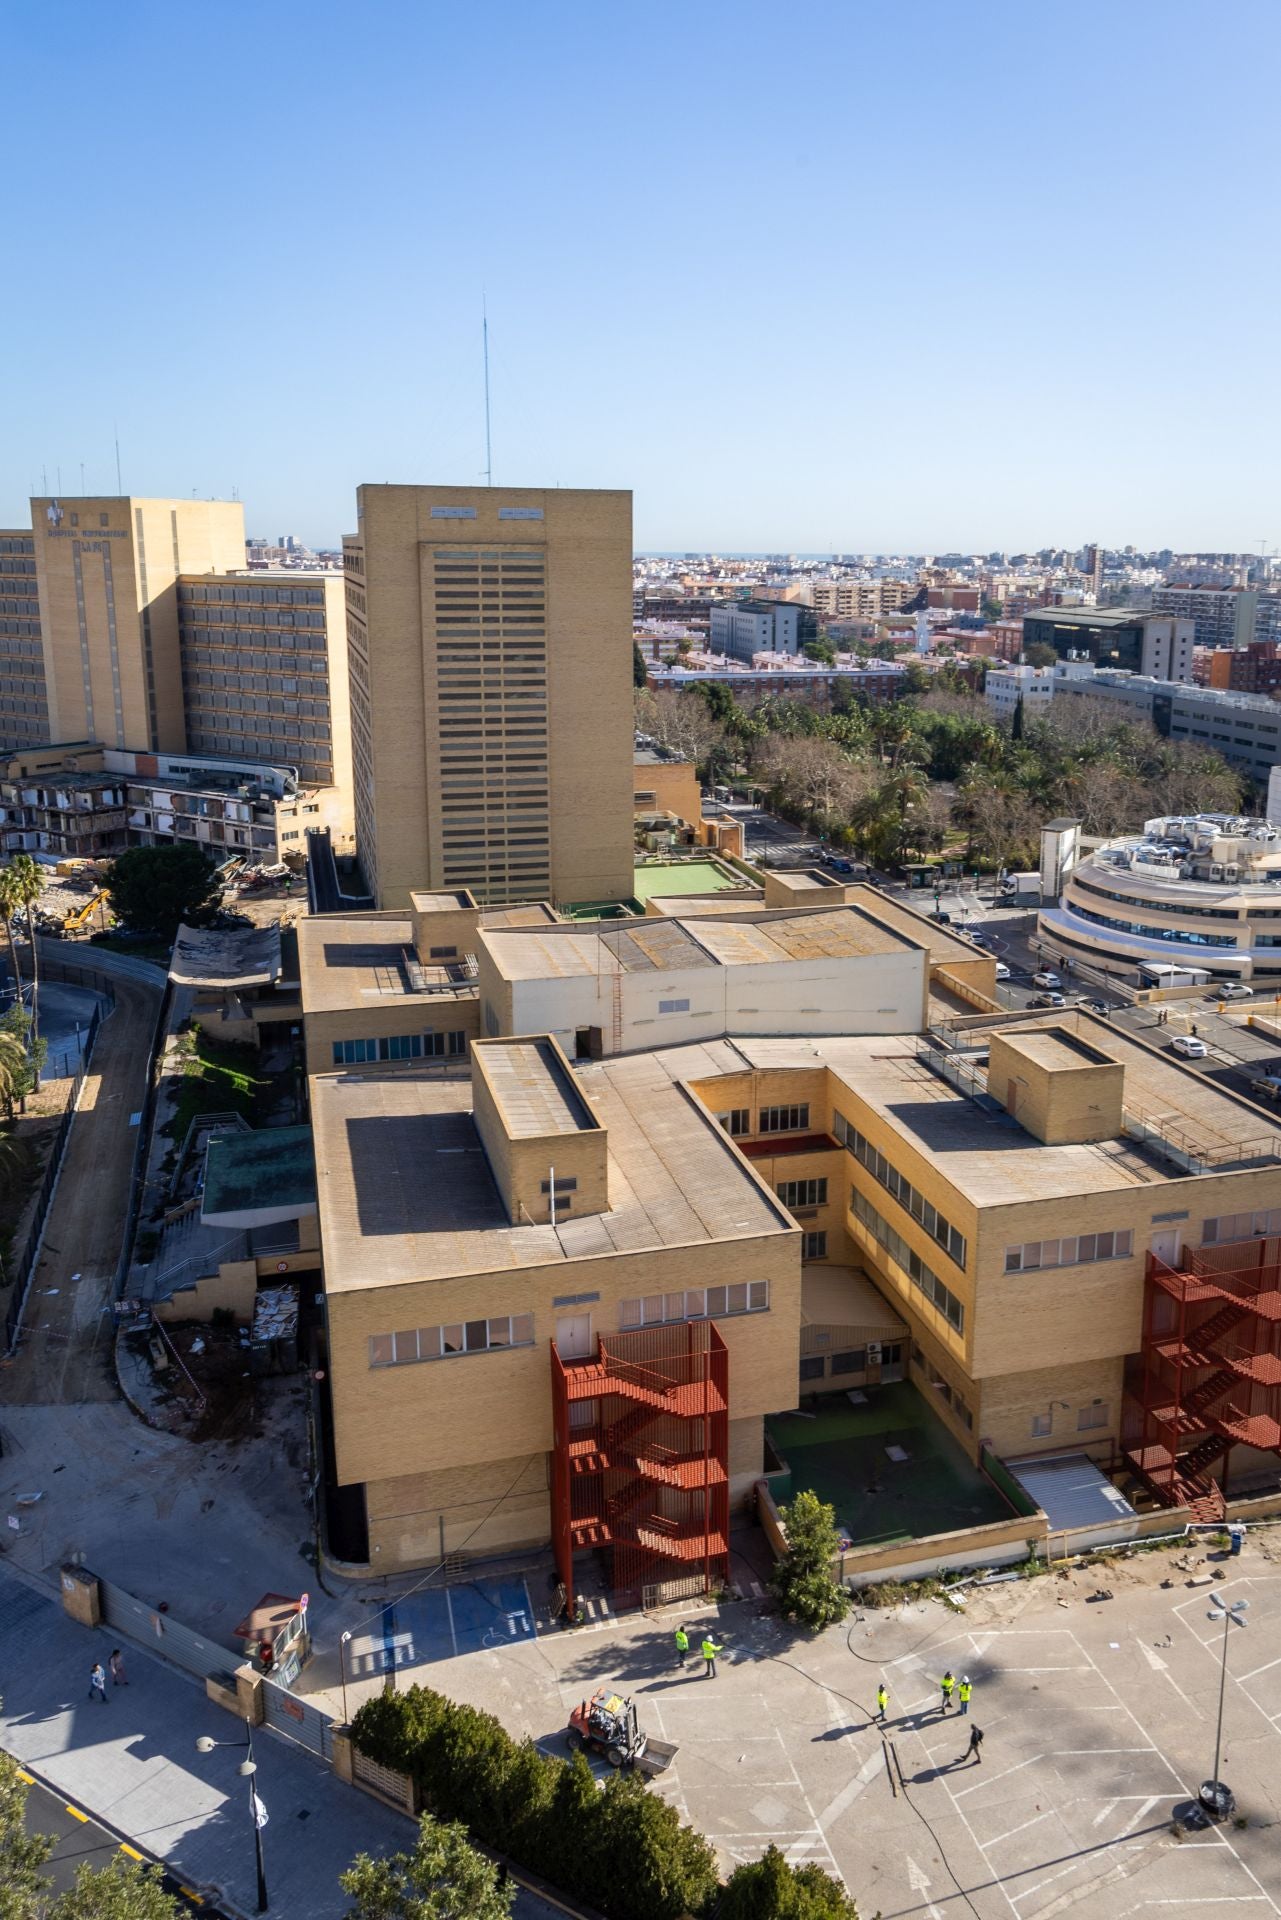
(490, 649)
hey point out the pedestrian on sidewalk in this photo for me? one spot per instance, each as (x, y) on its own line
(963, 1693)
(975, 1746)
(119, 1678)
(948, 1682)
(710, 1651)
(97, 1682)
(682, 1646)
(882, 1701)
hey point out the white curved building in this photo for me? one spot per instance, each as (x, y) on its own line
(1202, 891)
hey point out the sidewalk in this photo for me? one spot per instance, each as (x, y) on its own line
(135, 1764)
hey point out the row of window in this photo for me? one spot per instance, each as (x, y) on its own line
(270, 596)
(1174, 936)
(442, 1343)
(803, 1193)
(1227, 1227)
(948, 1237)
(399, 1046)
(695, 1303)
(922, 1277)
(785, 1119)
(1077, 1249)
(849, 1360)
(943, 1387)
(1088, 1417)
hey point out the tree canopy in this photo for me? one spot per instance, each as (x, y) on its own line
(155, 889)
(802, 1580)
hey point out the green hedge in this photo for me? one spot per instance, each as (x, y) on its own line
(623, 1851)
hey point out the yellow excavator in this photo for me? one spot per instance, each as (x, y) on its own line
(74, 922)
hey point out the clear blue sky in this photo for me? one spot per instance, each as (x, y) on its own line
(906, 274)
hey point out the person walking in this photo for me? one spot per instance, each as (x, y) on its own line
(710, 1651)
(963, 1692)
(882, 1701)
(97, 1683)
(116, 1663)
(947, 1683)
(682, 1646)
(976, 1743)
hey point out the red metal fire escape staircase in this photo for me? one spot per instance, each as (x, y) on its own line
(647, 1475)
(1211, 1378)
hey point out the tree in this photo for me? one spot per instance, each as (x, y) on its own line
(444, 1878)
(155, 889)
(671, 1869)
(8, 907)
(802, 1580)
(770, 1889)
(13, 1072)
(21, 884)
(820, 651)
(124, 1890)
(638, 666)
(22, 1854)
(993, 609)
(1016, 723)
(1039, 654)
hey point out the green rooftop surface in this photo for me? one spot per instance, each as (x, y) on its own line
(681, 876)
(271, 1167)
(840, 1455)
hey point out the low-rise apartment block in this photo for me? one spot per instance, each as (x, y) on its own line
(1005, 687)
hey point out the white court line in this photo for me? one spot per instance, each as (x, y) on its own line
(1263, 1669)
(992, 1780)
(449, 1607)
(1035, 1821)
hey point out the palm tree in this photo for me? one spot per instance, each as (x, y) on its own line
(9, 904)
(13, 1071)
(25, 878)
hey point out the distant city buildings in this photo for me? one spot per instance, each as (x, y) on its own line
(1133, 642)
(742, 628)
(1005, 687)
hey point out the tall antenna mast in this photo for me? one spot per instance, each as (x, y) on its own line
(119, 488)
(484, 334)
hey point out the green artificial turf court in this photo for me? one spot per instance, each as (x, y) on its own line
(839, 1454)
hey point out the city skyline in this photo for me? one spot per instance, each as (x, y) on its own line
(957, 298)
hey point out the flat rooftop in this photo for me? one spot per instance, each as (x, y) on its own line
(1056, 1047)
(1093, 616)
(406, 1192)
(944, 947)
(532, 1088)
(840, 933)
(459, 901)
(989, 1157)
(355, 959)
(269, 1169)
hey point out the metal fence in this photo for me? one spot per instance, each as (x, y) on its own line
(183, 1645)
(24, 1265)
(297, 1719)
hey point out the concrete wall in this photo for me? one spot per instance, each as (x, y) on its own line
(232, 1289)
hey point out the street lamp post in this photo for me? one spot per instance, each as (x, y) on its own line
(342, 1662)
(257, 1812)
(1215, 1796)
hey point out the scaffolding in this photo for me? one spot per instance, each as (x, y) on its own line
(1208, 1376)
(640, 1460)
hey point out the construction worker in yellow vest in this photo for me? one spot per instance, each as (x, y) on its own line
(947, 1683)
(963, 1692)
(710, 1651)
(882, 1701)
(682, 1646)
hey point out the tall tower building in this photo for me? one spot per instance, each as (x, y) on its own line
(490, 650)
(108, 586)
(24, 708)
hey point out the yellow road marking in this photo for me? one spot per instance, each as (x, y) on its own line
(27, 1779)
(131, 1851)
(76, 1814)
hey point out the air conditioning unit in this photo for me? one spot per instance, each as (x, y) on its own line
(1231, 872)
(1216, 870)
(873, 1353)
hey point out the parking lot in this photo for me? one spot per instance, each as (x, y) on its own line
(1098, 1719)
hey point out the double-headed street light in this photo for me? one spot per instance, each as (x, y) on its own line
(257, 1812)
(1215, 1796)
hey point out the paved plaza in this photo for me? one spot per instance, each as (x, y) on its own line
(1098, 1719)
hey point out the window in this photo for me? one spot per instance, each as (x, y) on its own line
(673, 1006)
(922, 1277)
(785, 1119)
(850, 1360)
(695, 1303)
(936, 1225)
(737, 1121)
(438, 1343)
(399, 1046)
(1042, 1425)
(1095, 1415)
(815, 1247)
(1240, 1226)
(564, 1184)
(1074, 1251)
(812, 1368)
(803, 1193)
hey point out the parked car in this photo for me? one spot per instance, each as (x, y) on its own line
(1189, 1046)
(1095, 1006)
(1046, 978)
(943, 919)
(1048, 1000)
(1237, 991)
(1002, 971)
(1267, 1086)
(978, 936)
(841, 866)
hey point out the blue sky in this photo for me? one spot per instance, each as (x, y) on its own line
(870, 276)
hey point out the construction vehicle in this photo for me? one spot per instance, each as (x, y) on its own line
(79, 917)
(608, 1724)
